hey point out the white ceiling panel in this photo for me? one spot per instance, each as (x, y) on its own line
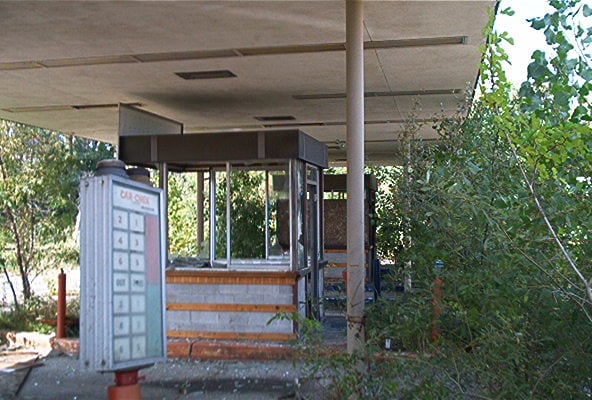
(66, 65)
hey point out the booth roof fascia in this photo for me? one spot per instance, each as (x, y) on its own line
(338, 183)
(189, 151)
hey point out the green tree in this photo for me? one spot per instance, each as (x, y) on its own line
(247, 203)
(549, 127)
(387, 216)
(39, 175)
(182, 214)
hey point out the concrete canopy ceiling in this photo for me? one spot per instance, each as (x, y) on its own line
(66, 65)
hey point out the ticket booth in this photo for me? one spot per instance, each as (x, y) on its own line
(259, 229)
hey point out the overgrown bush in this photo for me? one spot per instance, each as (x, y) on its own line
(503, 199)
(38, 314)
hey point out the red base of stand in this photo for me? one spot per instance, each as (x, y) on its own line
(126, 386)
(129, 392)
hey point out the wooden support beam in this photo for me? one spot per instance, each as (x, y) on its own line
(282, 337)
(341, 265)
(223, 307)
(232, 277)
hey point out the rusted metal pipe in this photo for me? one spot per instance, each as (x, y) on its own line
(437, 310)
(61, 317)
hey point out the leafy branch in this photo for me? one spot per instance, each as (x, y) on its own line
(530, 184)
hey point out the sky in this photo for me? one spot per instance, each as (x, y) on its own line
(526, 39)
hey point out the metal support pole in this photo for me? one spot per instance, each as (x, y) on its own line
(267, 216)
(61, 317)
(354, 15)
(228, 216)
(163, 183)
(213, 222)
(200, 209)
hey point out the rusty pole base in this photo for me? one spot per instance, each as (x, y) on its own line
(126, 386)
(129, 392)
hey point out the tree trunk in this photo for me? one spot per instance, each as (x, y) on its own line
(11, 285)
(26, 285)
(21, 261)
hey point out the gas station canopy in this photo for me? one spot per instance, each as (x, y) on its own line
(236, 65)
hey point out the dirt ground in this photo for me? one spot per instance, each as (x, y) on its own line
(29, 375)
(28, 371)
(59, 376)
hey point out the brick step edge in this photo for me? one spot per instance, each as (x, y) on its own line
(210, 350)
(69, 346)
(229, 350)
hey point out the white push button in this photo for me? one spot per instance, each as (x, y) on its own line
(136, 242)
(120, 261)
(121, 283)
(138, 324)
(120, 240)
(138, 283)
(138, 304)
(139, 347)
(121, 326)
(121, 304)
(120, 219)
(121, 349)
(138, 264)
(136, 222)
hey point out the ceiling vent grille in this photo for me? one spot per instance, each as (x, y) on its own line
(275, 118)
(224, 73)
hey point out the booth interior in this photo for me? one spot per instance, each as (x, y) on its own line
(259, 231)
(335, 241)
